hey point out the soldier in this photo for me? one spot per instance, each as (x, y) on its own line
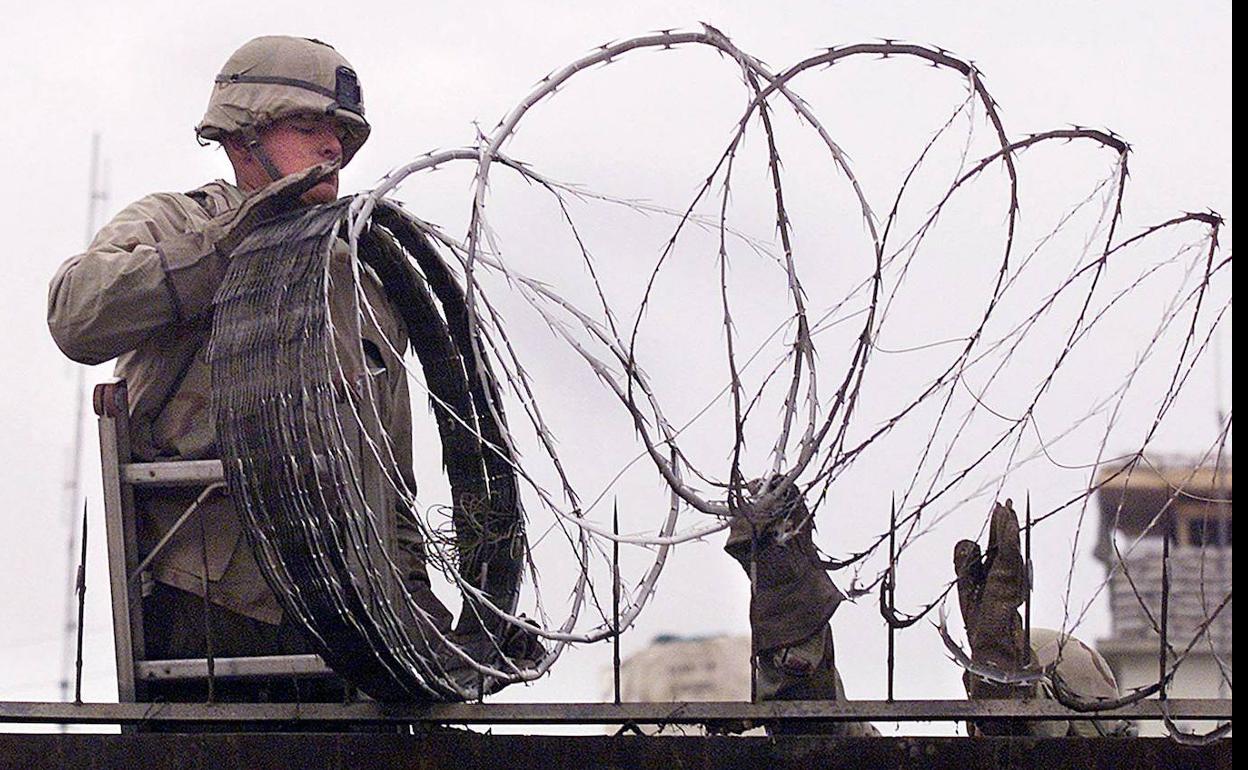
(288, 113)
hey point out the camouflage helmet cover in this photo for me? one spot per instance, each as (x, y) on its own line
(274, 77)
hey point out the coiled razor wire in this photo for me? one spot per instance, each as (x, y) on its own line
(286, 443)
(283, 408)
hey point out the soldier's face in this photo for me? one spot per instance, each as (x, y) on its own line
(303, 141)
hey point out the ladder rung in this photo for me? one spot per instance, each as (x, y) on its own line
(182, 473)
(197, 668)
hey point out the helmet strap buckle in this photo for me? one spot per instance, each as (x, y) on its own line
(251, 140)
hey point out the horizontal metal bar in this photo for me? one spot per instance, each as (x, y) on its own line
(226, 668)
(182, 473)
(599, 713)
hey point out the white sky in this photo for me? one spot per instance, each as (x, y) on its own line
(138, 73)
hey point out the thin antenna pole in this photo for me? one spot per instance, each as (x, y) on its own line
(615, 598)
(96, 195)
(73, 481)
(891, 589)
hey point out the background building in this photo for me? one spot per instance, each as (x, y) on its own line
(677, 668)
(697, 668)
(1192, 506)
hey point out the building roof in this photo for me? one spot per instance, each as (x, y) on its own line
(1134, 495)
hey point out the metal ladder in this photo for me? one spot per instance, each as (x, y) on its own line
(121, 477)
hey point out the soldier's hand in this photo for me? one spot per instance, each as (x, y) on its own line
(266, 203)
(195, 262)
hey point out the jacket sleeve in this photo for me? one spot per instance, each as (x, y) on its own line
(154, 265)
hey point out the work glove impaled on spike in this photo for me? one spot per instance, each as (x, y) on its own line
(792, 597)
(991, 588)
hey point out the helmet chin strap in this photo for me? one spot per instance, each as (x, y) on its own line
(251, 140)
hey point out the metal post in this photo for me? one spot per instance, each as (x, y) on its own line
(753, 582)
(81, 588)
(615, 599)
(1030, 581)
(890, 588)
(1165, 604)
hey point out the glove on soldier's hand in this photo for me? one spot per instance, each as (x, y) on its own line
(991, 588)
(195, 262)
(517, 646)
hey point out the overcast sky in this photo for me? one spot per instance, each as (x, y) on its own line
(138, 73)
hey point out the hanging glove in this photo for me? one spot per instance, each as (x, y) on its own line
(792, 597)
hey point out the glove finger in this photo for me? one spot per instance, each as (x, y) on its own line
(271, 200)
(1006, 573)
(999, 525)
(966, 556)
(967, 569)
(291, 186)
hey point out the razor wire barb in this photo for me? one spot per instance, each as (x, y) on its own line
(819, 438)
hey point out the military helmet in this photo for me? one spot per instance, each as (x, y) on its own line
(274, 77)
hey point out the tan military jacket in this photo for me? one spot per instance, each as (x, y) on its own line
(121, 300)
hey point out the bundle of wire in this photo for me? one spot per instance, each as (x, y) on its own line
(296, 448)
